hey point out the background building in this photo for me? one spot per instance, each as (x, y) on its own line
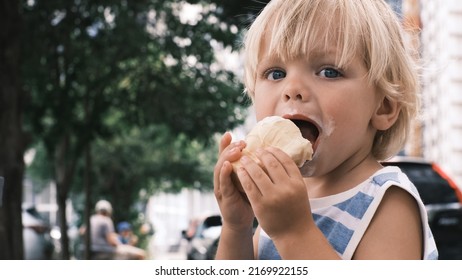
(434, 30)
(441, 41)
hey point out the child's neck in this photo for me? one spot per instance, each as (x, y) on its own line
(342, 178)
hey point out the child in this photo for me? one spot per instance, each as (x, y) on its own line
(126, 235)
(339, 69)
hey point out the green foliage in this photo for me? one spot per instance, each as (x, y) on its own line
(131, 167)
(85, 59)
(41, 168)
(138, 83)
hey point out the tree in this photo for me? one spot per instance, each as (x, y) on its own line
(13, 141)
(83, 61)
(132, 163)
(88, 61)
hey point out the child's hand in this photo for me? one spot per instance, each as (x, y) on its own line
(277, 192)
(234, 206)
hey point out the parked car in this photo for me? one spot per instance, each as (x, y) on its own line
(203, 244)
(442, 199)
(203, 238)
(36, 235)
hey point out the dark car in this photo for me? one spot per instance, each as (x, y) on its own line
(36, 235)
(202, 244)
(442, 199)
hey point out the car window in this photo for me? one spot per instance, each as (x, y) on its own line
(433, 189)
(212, 232)
(209, 222)
(33, 212)
(212, 221)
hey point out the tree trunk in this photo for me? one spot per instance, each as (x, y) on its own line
(88, 202)
(64, 169)
(12, 139)
(61, 199)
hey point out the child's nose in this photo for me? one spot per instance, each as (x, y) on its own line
(293, 95)
(296, 90)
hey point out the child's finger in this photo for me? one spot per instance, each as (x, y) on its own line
(272, 165)
(224, 142)
(287, 163)
(225, 184)
(251, 176)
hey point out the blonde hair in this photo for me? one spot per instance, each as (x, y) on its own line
(368, 28)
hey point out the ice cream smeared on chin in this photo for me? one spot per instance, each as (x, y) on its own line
(275, 131)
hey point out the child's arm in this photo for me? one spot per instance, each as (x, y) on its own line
(235, 244)
(279, 199)
(236, 234)
(395, 231)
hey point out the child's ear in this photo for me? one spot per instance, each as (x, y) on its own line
(386, 114)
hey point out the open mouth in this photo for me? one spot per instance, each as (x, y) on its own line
(308, 129)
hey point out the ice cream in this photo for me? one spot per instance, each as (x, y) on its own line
(281, 133)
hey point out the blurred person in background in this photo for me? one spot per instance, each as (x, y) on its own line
(105, 243)
(126, 235)
(104, 239)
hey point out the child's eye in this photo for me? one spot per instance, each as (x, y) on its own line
(330, 73)
(275, 74)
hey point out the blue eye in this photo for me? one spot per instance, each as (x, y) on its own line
(330, 73)
(275, 75)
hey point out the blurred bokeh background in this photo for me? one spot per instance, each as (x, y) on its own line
(124, 101)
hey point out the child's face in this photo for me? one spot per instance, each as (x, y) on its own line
(334, 106)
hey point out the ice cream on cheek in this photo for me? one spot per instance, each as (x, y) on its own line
(328, 127)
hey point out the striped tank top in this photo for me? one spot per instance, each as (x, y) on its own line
(344, 218)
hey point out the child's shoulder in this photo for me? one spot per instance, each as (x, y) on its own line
(375, 185)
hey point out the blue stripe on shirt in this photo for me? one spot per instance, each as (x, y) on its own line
(357, 205)
(381, 179)
(337, 233)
